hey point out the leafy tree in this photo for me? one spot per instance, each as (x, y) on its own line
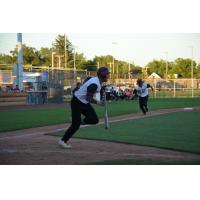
(103, 60)
(6, 59)
(90, 65)
(159, 67)
(45, 56)
(59, 49)
(28, 54)
(182, 67)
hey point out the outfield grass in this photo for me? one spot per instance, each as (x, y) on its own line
(178, 131)
(147, 162)
(15, 120)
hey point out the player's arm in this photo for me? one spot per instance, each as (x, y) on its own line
(91, 90)
(149, 86)
(134, 94)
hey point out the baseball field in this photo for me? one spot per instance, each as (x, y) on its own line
(168, 134)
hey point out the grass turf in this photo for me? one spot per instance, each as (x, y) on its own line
(178, 131)
(147, 162)
(15, 120)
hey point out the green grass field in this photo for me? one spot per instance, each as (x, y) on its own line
(178, 93)
(178, 131)
(147, 162)
(15, 120)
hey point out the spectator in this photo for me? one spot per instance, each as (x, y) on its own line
(44, 93)
(16, 89)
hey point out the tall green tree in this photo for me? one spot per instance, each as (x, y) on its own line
(29, 54)
(159, 67)
(182, 67)
(45, 56)
(59, 49)
(90, 65)
(6, 59)
(103, 60)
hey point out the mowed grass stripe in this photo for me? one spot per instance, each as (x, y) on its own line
(178, 131)
(146, 162)
(15, 120)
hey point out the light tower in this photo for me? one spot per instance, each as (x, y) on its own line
(18, 68)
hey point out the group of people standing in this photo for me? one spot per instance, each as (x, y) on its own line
(86, 94)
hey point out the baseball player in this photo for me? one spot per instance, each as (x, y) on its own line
(81, 104)
(142, 92)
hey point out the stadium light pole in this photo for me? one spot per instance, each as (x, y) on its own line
(59, 60)
(19, 62)
(192, 69)
(166, 70)
(52, 60)
(129, 70)
(114, 43)
(74, 48)
(65, 51)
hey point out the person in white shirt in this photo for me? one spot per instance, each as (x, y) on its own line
(81, 104)
(142, 91)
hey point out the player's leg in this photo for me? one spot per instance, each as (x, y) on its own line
(76, 120)
(90, 115)
(141, 104)
(145, 103)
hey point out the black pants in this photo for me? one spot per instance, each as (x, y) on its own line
(143, 103)
(78, 108)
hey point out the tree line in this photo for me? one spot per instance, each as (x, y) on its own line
(61, 48)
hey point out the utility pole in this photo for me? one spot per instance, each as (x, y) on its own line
(110, 66)
(19, 62)
(52, 60)
(74, 47)
(59, 60)
(114, 43)
(192, 71)
(65, 51)
(166, 71)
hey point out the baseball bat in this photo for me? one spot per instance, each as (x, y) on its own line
(106, 121)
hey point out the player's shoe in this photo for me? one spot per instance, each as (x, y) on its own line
(64, 145)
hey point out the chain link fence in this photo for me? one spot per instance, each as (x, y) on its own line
(62, 82)
(166, 88)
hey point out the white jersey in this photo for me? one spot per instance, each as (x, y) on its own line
(142, 91)
(81, 93)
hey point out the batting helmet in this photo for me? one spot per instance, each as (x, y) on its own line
(102, 72)
(139, 82)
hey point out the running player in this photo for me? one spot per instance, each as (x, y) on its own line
(81, 104)
(142, 92)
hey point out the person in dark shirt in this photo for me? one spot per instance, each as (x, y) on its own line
(44, 93)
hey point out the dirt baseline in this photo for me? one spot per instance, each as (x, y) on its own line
(33, 146)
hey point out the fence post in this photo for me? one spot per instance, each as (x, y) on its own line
(192, 87)
(155, 87)
(174, 88)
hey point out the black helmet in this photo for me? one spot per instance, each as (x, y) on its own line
(102, 72)
(139, 82)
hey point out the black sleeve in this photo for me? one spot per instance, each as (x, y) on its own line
(74, 90)
(148, 86)
(134, 91)
(91, 89)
